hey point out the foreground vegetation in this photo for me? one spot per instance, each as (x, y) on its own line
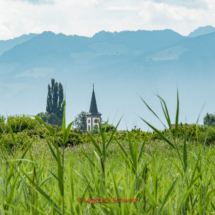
(165, 172)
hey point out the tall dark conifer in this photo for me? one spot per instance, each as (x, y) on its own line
(49, 100)
(60, 101)
(55, 99)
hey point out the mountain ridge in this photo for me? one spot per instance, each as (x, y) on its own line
(202, 31)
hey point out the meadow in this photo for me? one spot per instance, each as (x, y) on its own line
(165, 172)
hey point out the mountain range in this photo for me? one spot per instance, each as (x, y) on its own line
(122, 65)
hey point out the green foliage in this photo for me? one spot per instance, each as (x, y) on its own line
(20, 123)
(74, 138)
(50, 118)
(94, 130)
(3, 127)
(21, 138)
(209, 119)
(55, 99)
(107, 127)
(55, 128)
(2, 119)
(169, 176)
(32, 130)
(80, 121)
(185, 129)
(210, 133)
(54, 120)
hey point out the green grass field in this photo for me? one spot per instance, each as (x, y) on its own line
(167, 176)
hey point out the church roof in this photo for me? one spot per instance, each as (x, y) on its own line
(93, 105)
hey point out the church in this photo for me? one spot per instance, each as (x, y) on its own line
(93, 116)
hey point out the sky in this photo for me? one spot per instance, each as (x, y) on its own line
(87, 17)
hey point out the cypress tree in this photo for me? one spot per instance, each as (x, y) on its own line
(49, 100)
(60, 102)
(55, 99)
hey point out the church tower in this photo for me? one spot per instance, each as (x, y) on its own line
(93, 116)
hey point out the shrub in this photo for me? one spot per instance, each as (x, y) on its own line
(2, 119)
(20, 123)
(210, 137)
(21, 139)
(94, 130)
(75, 138)
(185, 129)
(108, 128)
(55, 128)
(3, 127)
(77, 131)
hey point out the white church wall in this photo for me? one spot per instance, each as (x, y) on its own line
(89, 120)
(96, 123)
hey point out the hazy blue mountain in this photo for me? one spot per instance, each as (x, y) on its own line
(50, 46)
(202, 31)
(121, 65)
(6, 45)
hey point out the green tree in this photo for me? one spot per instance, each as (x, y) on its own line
(2, 119)
(80, 121)
(50, 118)
(108, 127)
(209, 119)
(55, 99)
(60, 101)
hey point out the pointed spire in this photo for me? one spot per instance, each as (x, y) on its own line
(93, 105)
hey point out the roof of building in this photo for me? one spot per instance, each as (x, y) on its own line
(93, 105)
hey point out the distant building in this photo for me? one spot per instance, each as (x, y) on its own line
(93, 116)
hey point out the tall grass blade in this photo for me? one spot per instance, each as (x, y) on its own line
(177, 116)
(112, 134)
(95, 144)
(43, 194)
(165, 111)
(185, 155)
(141, 150)
(160, 134)
(167, 195)
(153, 112)
(198, 122)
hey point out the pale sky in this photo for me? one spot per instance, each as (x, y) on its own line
(87, 17)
